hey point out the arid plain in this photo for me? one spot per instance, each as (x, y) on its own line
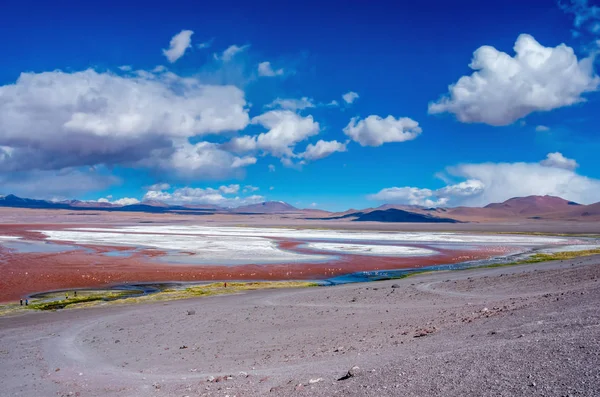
(525, 330)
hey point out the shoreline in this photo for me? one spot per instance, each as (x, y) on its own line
(177, 290)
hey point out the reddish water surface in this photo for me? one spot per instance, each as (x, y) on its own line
(27, 273)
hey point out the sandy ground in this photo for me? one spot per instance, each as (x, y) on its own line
(529, 330)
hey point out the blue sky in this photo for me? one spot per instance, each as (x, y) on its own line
(93, 117)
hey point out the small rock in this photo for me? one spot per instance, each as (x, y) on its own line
(117, 341)
(351, 373)
(317, 380)
(191, 312)
(395, 286)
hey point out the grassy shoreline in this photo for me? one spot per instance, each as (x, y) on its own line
(46, 302)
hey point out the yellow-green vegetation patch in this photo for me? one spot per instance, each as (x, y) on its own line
(217, 289)
(555, 256)
(54, 301)
(58, 300)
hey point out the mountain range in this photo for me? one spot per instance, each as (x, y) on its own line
(530, 207)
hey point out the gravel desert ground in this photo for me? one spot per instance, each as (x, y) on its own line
(527, 330)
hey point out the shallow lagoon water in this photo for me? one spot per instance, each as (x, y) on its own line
(29, 247)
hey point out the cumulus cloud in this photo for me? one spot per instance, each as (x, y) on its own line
(54, 120)
(542, 128)
(250, 188)
(121, 201)
(203, 160)
(285, 130)
(230, 189)
(375, 131)
(230, 52)
(322, 149)
(557, 160)
(222, 196)
(265, 69)
(428, 197)
(504, 89)
(496, 182)
(159, 186)
(178, 45)
(350, 97)
(292, 104)
(205, 44)
(405, 195)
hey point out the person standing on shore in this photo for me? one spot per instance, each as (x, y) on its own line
(26, 302)
(21, 302)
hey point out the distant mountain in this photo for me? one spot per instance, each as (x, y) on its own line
(530, 207)
(155, 203)
(17, 202)
(533, 205)
(268, 207)
(395, 215)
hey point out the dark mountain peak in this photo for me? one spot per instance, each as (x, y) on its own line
(396, 215)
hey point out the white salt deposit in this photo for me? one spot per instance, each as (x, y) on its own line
(366, 249)
(344, 235)
(205, 249)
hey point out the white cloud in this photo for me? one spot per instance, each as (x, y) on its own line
(54, 120)
(265, 69)
(542, 128)
(159, 186)
(125, 68)
(231, 189)
(557, 160)
(239, 162)
(126, 201)
(208, 196)
(205, 44)
(250, 188)
(290, 163)
(178, 45)
(286, 129)
(230, 52)
(497, 182)
(272, 188)
(586, 15)
(506, 180)
(271, 168)
(406, 195)
(350, 97)
(203, 160)
(504, 89)
(322, 149)
(375, 131)
(292, 104)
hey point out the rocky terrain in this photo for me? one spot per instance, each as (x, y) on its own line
(528, 330)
